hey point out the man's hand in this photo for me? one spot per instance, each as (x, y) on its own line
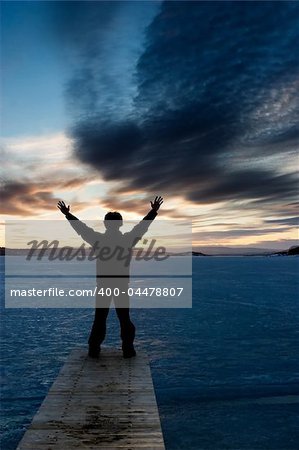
(157, 203)
(63, 208)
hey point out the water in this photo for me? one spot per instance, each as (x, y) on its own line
(225, 372)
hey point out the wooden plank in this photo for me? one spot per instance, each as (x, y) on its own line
(106, 403)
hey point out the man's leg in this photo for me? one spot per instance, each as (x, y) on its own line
(127, 328)
(98, 330)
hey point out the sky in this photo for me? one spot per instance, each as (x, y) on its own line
(107, 104)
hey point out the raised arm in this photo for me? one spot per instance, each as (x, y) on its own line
(87, 233)
(156, 203)
(141, 228)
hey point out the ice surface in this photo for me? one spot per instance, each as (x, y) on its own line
(225, 371)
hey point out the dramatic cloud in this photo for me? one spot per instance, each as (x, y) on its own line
(36, 171)
(29, 199)
(216, 101)
(102, 42)
(293, 221)
(196, 101)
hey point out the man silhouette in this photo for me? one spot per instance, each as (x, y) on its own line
(113, 251)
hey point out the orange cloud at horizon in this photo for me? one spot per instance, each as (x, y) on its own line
(42, 170)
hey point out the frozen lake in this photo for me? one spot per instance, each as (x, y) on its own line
(225, 371)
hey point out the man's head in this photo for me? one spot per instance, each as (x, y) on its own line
(113, 220)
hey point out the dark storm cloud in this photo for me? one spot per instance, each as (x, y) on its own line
(215, 80)
(80, 25)
(27, 197)
(80, 28)
(259, 184)
(293, 221)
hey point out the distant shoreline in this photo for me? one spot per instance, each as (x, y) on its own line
(292, 251)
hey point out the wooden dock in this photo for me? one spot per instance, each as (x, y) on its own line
(106, 403)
